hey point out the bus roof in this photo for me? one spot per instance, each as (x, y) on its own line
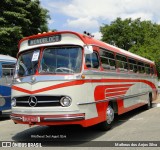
(7, 58)
(116, 50)
(90, 41)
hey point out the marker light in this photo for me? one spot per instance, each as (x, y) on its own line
(83, 76)
(65, 101)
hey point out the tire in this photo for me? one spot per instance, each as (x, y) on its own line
(149, 104)
(106, 125)
(0, 113)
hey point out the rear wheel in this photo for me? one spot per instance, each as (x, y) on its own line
(149, 104)
(106, 125)
(0, 113)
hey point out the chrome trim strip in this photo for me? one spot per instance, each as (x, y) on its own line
(21, 101)
(48, 101)
(99, 101)
(44, 78)
(15, 118)
(54, 119)
(27, 111)
(64, 118)
(39, 101)
(5, 96)
(25, 95)
(135, 95)
(115, 92)
(114, 99)
(118, 87)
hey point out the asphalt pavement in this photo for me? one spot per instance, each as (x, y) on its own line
(137, 125)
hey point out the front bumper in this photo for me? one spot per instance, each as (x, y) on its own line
(47, 119)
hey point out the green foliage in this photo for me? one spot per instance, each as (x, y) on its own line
(118, 28)
(139, 37)
(20, 18)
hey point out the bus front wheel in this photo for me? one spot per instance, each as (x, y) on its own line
(106, 125)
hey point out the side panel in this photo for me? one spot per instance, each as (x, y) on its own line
(89, 96)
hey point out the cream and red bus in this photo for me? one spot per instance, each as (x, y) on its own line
(64, 78)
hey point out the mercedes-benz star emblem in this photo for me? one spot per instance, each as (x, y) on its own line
(32, 101)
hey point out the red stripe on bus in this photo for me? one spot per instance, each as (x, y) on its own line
(100, 90)
(61, 85)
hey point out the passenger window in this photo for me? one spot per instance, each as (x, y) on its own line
(151, 70)
(147, 69)
(141, 68)
(132, 65)
(107, 59)
(92, 60)
(122, 63)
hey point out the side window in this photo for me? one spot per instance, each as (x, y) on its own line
(107, 59)
(7, 70)
(141, 68)
(147, 69)
(122, 62)
(151, 70)
(132, 65)
(88, 60)
(92, 60)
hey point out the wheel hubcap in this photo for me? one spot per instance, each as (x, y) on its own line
(110, 114)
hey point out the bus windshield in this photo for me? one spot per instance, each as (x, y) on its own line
(27, 63)
(61, 60)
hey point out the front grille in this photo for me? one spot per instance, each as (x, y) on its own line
(42, 101)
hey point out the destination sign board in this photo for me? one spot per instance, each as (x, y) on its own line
(43, 40)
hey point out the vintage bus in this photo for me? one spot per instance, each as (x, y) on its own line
(64, 78)
(7, 65)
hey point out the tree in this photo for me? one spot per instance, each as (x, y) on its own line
(128, 32)
(139, 37)
(118, 33)
(149, 49)
(20, 18)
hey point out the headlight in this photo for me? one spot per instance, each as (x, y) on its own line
(13, 102)
(65, 101)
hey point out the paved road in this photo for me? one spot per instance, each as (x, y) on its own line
(137, 125)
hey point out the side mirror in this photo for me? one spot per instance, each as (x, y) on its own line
(88, 49)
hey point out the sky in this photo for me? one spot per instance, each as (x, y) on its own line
(89, 15)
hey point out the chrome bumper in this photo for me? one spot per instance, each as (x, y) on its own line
(70, 117)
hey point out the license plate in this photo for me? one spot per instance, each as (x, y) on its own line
(31, 119)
